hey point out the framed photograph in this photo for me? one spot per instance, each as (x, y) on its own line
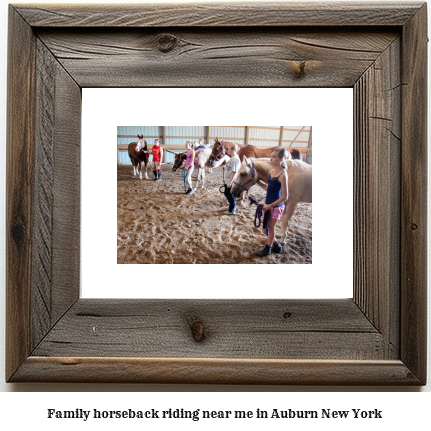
(377, 337)
(185, 213)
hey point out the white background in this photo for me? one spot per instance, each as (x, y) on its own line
(404, 408)
(328, 111)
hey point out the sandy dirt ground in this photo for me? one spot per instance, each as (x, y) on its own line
(158, 224)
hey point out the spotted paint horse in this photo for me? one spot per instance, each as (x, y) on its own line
(139, 157)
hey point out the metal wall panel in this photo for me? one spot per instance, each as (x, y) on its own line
(265, 133)
(188, 132)
(296, 136)
(150, 132)
(123, 157)
(228, 133)
(264, 136)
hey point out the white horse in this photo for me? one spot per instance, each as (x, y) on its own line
(201, 159)
(255, 171)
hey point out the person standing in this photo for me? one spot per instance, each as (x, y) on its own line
(201, 145)
(232, 167)
(156, 164)
(189, 166)
(276, 194)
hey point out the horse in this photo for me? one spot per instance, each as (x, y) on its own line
(180, 158)
(255, 171)
(201, 159)
(249, 151)
(138, 157)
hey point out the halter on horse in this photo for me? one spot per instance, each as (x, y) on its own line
(220, 154)
(259, 210)
(252, 180)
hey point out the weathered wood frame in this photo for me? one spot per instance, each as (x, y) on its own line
(378, 337)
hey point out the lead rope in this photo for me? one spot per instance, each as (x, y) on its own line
(222, 189)
(258, 216)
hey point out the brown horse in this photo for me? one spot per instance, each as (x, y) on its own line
(180, 158)
(249, 151)
(138, 158)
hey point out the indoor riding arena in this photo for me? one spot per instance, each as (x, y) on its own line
(157, 223)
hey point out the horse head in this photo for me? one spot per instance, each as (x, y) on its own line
(245, 178)
(217, 153)
(179, 158)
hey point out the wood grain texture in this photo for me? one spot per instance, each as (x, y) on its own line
(378, 337)
(225, 15)
(43, 191)
(67, 198)
(216, 57)
(55, 279)
(377, 182)
(268, 329)
(44, 197)
(19, 197)
(215, 371)
(414, 228)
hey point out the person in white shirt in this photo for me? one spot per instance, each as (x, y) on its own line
(232, 167)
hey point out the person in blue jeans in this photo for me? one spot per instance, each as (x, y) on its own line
(232, 167)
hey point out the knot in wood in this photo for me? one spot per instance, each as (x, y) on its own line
(167, 42)
(300, 69)
(18, 232)
(414, 226)
(197, 327)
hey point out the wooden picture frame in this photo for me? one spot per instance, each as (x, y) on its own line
(378, 337)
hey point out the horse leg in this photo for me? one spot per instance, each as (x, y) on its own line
(287, 215)
(145, 170)
(197, 178)
(140, 170)
(134, 168)
(203, 177)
